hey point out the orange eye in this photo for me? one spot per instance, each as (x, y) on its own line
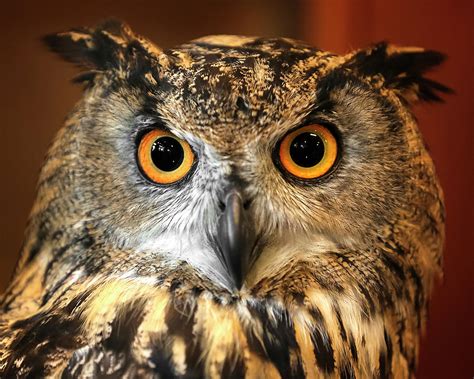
(308, 152)
(163, 157)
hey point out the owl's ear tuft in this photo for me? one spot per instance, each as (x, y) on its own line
(111, 45)
(96, 48)
(401, 69)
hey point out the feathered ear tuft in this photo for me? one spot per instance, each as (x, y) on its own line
(401, 69)
(97, 48)
(111, 45)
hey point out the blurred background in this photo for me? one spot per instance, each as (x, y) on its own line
(37, 95)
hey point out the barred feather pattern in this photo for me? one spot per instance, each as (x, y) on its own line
(84, 304)
(144, 326)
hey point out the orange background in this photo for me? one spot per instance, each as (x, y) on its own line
(36, 96)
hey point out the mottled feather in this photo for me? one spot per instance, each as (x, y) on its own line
(119, 278)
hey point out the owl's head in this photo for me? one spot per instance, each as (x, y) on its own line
(244, 159)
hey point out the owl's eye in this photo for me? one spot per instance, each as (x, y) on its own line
(163, 157)
(308, 152)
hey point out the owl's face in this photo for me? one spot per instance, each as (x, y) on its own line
(317, 149)
(232, 207)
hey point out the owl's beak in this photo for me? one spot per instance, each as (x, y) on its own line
(235, 237)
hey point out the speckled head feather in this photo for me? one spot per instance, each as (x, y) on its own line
(123, 277)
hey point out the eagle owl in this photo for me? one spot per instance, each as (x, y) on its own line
(234, 207)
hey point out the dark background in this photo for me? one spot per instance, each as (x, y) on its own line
(36, 95)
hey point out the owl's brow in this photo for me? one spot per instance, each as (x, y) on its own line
(321, 107)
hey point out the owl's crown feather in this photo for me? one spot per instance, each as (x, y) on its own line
(113, 45)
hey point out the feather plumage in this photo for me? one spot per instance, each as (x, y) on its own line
(120, 277)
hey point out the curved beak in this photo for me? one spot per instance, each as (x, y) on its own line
(235, 236)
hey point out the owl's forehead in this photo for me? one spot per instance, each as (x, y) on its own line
(222, 80)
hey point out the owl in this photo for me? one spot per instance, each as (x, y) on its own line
(234, 207)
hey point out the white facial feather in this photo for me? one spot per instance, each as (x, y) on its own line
(191, 248)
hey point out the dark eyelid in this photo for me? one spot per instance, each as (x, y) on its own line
(321, 108)
(313, 119)
(143, 128)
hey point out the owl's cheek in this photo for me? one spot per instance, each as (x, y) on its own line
(280, 257)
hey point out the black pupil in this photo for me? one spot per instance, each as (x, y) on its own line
(167, 153)
(307, 149)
